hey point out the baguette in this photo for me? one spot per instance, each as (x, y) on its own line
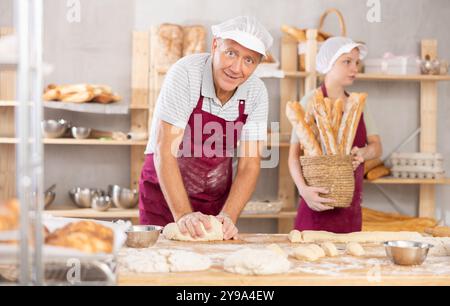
(296, 115)
(324, 124)
(344, 129)
(360, 100)
(338, 109)
(66, 90)
(377, 173)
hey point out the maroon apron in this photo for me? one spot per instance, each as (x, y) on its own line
(206, 167)
(338, 220)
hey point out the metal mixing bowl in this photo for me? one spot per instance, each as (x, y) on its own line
(123, 197)
(82, 197)
(143, 236)
(407, 253)
(101, 203)
(53, 128)
(49, 197)
(81, 132)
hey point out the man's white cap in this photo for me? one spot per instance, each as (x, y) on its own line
(333, 48)
(246, 31)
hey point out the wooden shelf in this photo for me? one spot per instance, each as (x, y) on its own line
(400, 181)
(4, 140)
(96, 142)
(70, 141)
(117, 213)
(295, 74)
(387, 77)
(88, 213)
(8, 103)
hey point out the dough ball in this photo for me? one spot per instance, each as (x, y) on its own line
(277, 249)
(355, 249)
(256, 262)
(295, 236)
(172, 232)
(330, 249)
(317, 249)
(305, 253)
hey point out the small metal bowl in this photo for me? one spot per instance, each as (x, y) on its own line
(49, 197)
(142, 236)
(101, 203)
(53, 128)
(407, 253)
(82, 197)
(122, 197)
(81, 132)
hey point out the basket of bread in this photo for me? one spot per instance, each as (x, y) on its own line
(326, 131)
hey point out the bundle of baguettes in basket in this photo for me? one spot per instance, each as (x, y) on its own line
(327, 127)
(80, 93)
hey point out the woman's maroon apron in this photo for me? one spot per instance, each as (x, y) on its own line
(338, 220)
(207, 173)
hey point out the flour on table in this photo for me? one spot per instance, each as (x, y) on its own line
(256, 262)
(163, 261)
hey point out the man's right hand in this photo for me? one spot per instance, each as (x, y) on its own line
(314, 200)
(191, 224)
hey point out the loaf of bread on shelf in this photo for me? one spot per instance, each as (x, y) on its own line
(9, 215)
(371, 164)
(170, 45)
(378, 172)
(85, 236)
(438, 231)
(194, 39)
(296, 115)
(296, 33)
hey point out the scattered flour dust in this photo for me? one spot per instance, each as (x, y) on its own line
(162, 260)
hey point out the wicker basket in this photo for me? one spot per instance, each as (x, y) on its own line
(333, 172)
(322, 35)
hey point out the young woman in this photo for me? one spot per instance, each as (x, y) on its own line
(338, 60)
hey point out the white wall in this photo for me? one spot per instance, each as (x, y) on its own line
(98, 50)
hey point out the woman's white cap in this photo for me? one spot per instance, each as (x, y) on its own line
(246, 31)
(333, 48)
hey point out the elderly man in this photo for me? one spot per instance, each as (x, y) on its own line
(208, 103)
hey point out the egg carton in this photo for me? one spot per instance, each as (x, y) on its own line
(417, 165)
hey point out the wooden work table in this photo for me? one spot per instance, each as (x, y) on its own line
(372, 269)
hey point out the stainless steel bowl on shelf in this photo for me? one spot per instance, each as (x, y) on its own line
(54, 128)
(407, 253)
(101, 203)
(81, 132)
(123, 197)
(82, 197)
(142, 236)
(49, 198)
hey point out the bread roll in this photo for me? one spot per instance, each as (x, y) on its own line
(378, 172)
(296, 115)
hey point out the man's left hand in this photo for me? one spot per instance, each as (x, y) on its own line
(230, 230)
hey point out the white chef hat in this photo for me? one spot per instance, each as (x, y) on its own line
(333, 48)
(246, 31)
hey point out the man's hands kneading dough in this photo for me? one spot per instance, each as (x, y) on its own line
(191, 224)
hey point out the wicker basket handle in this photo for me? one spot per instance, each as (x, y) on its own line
(341, 20)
